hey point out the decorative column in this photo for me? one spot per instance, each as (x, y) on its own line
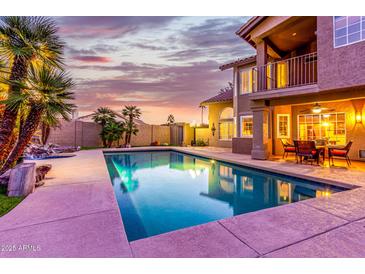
(260, 140)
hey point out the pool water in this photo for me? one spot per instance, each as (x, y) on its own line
(162, 191)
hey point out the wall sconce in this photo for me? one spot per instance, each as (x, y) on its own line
(358, 117)
(213, 129)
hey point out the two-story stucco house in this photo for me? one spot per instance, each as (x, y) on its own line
(306, 82)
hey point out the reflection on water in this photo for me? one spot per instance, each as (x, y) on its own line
(159, 192)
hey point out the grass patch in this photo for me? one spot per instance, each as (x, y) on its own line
(7, 203)
(89, 148)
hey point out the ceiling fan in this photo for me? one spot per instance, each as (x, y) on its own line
(316, 109)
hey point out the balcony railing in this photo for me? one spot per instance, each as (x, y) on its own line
(292, 72)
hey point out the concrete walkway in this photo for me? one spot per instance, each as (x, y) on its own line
(76, 215)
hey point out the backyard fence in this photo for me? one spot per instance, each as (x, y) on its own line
(87, 134)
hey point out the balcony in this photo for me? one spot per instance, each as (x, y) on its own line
(293, 72)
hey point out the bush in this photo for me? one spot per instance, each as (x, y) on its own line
(201, 143)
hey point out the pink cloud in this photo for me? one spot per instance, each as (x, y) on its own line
(91, 59)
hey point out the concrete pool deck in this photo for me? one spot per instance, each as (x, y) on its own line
(76, 215)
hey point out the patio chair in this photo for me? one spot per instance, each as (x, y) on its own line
(341, 153)
(288, 148)
(307, 150)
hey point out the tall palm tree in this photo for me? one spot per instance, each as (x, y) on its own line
(103, 116)
(170, 119)
(130, 113)
(25, 40)
(46, 92)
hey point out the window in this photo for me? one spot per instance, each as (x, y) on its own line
(348, 30)
(226, 124)
(246, 126)
(282, 74)
(328, 126)
(283, 125)
(247, 80)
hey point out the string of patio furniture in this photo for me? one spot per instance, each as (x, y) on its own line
(312, 151)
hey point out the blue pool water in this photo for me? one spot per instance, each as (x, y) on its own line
(162, 191)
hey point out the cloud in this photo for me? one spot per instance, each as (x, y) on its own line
(148, 46)
(91, 58)
(108, 26)
(104, 48)
(162, 64)
(73, 51)
(178, 86)
(212, 39)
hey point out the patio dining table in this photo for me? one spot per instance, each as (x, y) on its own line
(328, 148)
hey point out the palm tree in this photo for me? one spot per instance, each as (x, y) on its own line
(170, 119)
(130, 113)
(113, 131)
(45, 91)
(47, 122)
(25, 40)
(103, 116)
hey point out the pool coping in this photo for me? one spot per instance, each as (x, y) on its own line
(166, 243)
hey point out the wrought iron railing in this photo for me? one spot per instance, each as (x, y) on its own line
(292, 72)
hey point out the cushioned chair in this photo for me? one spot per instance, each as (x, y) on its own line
(341, 153)
(288, 148)
(307, 150)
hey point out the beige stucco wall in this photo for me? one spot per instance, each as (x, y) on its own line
(213, 118)
(76, 133)
(188, 135)
(203, 134)
(86, 134)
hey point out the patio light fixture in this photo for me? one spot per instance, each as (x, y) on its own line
(213, 129)
(358, 117)
(316, 109)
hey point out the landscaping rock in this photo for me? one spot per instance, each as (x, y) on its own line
(22, 180)
(41, 172)
(4, 178)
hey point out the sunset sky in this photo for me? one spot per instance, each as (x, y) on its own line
(161, 64)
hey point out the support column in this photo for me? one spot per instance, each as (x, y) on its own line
(260, 140)
(261, 61)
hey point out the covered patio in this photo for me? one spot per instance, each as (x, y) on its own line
(332, 119)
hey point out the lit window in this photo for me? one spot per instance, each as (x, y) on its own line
(348, 30)
(247, 80)
(330, 127)
(282, 74)
(246, 126)
(226, 124)
(283, 126)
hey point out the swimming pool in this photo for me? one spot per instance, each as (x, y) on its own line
(162, 191)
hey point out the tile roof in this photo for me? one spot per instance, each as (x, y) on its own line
(239, 62)
(226, 96)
